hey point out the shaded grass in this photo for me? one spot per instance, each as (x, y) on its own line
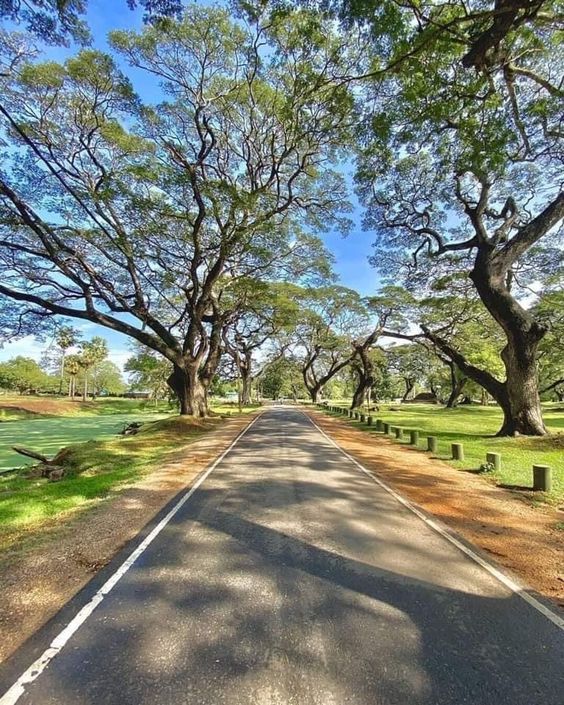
(94, 471)
(475, 427)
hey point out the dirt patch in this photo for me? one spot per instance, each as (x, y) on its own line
(37, 582)
(48, 407)
(528, 540)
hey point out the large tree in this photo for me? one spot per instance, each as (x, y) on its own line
(469, 162)
(331, 317)
(262, 311)
(139, 217)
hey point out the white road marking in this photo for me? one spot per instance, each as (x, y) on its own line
(436, 526)
(14, 693)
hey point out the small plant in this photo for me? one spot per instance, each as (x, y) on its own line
(487, 467)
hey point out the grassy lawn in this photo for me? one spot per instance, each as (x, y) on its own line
(231, 409)
(475, 427)
(48, 435)
(47, 424)
(94, 470)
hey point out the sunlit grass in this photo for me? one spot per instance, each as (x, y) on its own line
(49, 435)
(95, 470)
(475, 427)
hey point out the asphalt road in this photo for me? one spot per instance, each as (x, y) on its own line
(290, 577)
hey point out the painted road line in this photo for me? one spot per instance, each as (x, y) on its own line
(14, 693)
(436, 526)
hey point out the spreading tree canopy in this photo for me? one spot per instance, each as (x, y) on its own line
(139, 217)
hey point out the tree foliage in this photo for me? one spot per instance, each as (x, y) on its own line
(112, 207)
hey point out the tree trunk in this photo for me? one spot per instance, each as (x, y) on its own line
(457, 385)
(364, 368)
(191, 393)
(314, 394)
(246, 390)
(246, 380)
(359, 393)
(85, 387)
(409, 385)
(524, 412)
(365, 382)
(62, 372)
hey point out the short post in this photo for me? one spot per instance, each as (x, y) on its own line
(494, 459)
(414, 437)
(432, 444)
(399, 433)
(457, 451)
(386, 427)
(369, 420)
(362, 417)
(542, 478)
(379, 425)
(356, 414)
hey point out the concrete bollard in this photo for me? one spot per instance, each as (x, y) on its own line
(457, 451)
(399, 433)
(432, 444)
(494, 459)
(414, 437)
(379, 425)
(542, 478)
(386, 428)
(369, 420)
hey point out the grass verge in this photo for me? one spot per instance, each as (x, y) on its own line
(475, 428)
(94, 471)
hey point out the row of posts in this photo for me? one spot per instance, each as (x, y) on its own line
(542, 474)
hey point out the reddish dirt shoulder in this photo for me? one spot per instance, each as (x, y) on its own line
(37, 582)
(520, 537)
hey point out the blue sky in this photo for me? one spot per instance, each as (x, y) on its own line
(351, 253)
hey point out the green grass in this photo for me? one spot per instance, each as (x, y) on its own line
(231, 408)
(48, 435)
(95, 470)
(475, 428)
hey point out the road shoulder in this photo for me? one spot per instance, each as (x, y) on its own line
(36, 583)
(524, 539)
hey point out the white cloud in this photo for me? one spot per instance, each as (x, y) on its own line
(27, 347)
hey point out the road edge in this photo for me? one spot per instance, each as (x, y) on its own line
(499, 572)
(88, 598)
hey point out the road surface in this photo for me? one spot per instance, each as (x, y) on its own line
(290, 577)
